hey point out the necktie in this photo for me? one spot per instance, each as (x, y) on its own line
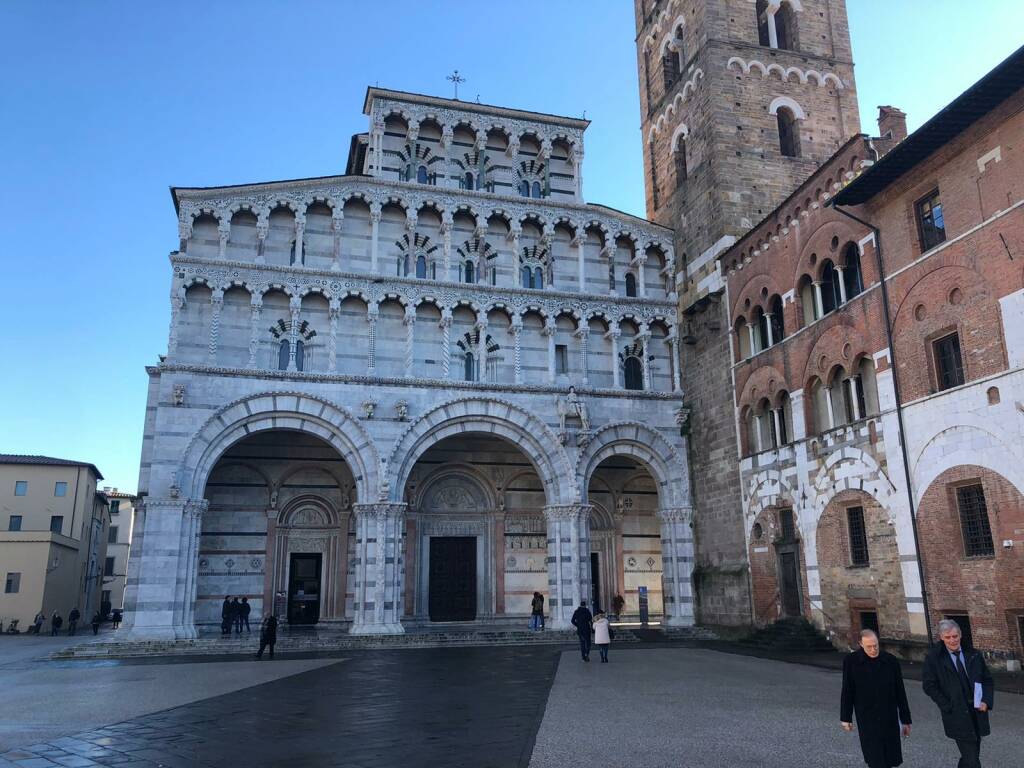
(965, 681)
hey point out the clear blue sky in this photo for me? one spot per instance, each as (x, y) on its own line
(105, 105)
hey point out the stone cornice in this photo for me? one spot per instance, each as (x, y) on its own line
(415, 383)
(302, 280)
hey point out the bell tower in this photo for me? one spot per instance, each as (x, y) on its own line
(740, 100)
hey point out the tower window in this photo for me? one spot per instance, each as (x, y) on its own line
(789, 132)
(634, 373)
(670, 67)
(538, 277)
(421, 174)
(524, 188)
(763, 36)
(283, 352)
(630, 284)
(469, 370)
(931, 224)
(467, 180)
(970, 502)
(680, 157)
(858, 536)
(536, 189)
(421, 267)
(785, 27)
(561, 358)
(300, 355)
(949, 367)
(470, 272)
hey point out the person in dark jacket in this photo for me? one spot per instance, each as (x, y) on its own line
(225, 616)
(55, 623)
(236, 616)
(583, 621)
(97, 619)
(73, 618)
(955, 678)
(245, 609)
(537, 612)
(873, 689)
(268, 635)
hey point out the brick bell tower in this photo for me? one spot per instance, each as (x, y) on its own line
(740, 100)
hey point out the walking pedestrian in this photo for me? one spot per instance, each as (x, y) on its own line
(236, 616)
(245, 609)
(537, 615)
(225, 616)
(56, 622)
(97, 618)
(268, 635)
(958, 681)
(37, 623)
(873, 689)
(603, 634)
(73, 618)
(583, 621)
(115, 618)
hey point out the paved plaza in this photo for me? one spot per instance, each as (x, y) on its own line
(490, 707)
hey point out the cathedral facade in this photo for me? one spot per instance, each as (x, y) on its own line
(417, 392)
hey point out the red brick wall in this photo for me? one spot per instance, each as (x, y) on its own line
(988, 589)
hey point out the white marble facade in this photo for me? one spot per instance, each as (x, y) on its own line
(358, 365)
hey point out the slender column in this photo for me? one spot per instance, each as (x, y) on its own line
(580, 243)
(379, 567)
(773, 36)
(295, 303)
(854, 404)
(184, 230)
(300, 231)
(777, 419)
(842, 286)
(514, 234)
(645, 359)
(516, 329)
(577, 157)
(217, 302)
(831, 412)
(549, 331)
(568, 538)
(377, 148)
(677, 565)
(223, 234)
(545, 157)
(673, 354)
(334, 313)
(750, 335)
(614, 335)
(796, 405)
(262, 227)
(641, 280)
(446, 342)
(481, 348)
(583, 336)
(372, 314)
(447, 134)
(410, 339)
(768, 326)
(337, 222)
(446, 244)
(375, 209)
(819, 304)
(758, 440)
(177, 304)
(255, 309)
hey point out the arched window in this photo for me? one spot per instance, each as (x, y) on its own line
(831, 296)
(538, 277)
(761, 9)
(421, 267)
(405, 265)
(300, 354)
(469, 368)
(630, 284)
(852, 278)
(524, 188)
(670, 67)
(421, 174)
(470, 272)
(789, 132)
(633, 373)
(785, 27)
(283, 353)
(680, 157)
(763, 338)
(527, 275)
(536, 189)
(778, 322)
(467, 180)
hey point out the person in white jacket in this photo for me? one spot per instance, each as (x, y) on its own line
(602, 635)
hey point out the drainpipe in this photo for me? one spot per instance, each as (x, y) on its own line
(899, 407)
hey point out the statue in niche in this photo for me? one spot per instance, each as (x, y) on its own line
(572, 407)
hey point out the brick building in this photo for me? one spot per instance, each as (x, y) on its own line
(878, 377)
(740, 103)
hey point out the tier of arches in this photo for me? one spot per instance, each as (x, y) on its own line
(360, 235)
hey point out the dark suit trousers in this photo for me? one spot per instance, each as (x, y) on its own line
(970, 753)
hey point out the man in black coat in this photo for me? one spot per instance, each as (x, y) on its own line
(583, 621)
(950, 677)
(246, 609)
(225, 616)
(268, 635)
(873, 688)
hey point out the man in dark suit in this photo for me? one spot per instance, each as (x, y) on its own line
(584, 623)
(950, 676)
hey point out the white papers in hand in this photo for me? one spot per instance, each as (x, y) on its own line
(977, 695)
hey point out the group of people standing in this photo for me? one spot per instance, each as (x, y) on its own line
(234, 614)
(57, 622)
(954, 677)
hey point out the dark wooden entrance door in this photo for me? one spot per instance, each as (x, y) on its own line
(595, 581)
(452, 587)
(304, 588)
(789, 584)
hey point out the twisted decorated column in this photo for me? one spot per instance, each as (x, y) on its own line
(337, 222)
(334, 313)
(582, 335)
(613, 335)
(375, 212)
(379, 566)
(372, 314)
(295, 304)
(446, 342)
(177, 304)
(410, 339)
(255, 309)
(549, 331)
(217, 304)
(516, 329)
(568, 535)
(223, 235)
(677, 565)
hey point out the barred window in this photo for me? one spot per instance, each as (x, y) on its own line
(949, 366)
(970, 501)
(858, 536)
(786, 524)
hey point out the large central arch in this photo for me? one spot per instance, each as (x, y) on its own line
(294, 411)
(488, 416)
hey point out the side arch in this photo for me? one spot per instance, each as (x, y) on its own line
(966, 444)
(293, 411)
(647, 446)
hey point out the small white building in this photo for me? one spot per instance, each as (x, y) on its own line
(119, 541)
(417, 392)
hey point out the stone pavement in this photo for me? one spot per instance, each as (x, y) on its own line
(693, 708)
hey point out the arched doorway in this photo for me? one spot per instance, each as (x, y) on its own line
(476, 548)
(276, 531)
